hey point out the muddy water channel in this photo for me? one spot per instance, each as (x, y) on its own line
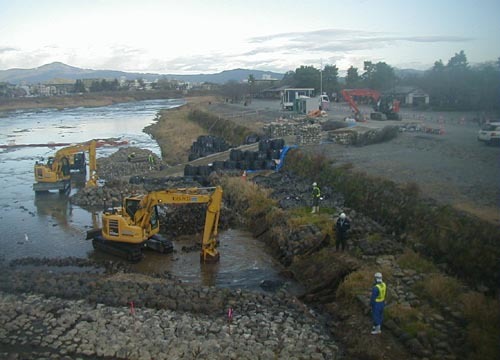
(49, 226)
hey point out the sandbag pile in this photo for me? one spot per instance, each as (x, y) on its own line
(263, 159)
(206, 145)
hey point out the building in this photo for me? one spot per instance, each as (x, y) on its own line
(410, 96)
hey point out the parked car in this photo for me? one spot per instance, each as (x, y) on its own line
(490, 133)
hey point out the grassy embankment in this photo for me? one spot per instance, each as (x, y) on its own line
(443, 235)
(176, 129)
(84, 100)
(467, 245)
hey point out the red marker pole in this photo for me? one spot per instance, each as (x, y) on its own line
(132, 309)
(229, 318)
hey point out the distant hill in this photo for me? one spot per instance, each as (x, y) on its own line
(60, 71)
(404, 73)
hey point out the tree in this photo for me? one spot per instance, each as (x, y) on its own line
(234, 90)
(251, 84)
(352, 80)
(104, 85)
(95, 86)
(379, 76)
(457, 86)
(79, 86)
(458, 61)
(330, 79)
(288, 79)
(438, 66)
(307, 77)
(164, 84)
(114, 85)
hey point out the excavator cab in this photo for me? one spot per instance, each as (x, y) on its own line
(386, 105)
(77, 162)
(131, 206)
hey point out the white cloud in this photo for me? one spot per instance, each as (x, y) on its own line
(205, 36)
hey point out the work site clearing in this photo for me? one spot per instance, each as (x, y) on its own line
(434, 311)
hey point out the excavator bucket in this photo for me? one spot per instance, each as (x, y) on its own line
(209, 257)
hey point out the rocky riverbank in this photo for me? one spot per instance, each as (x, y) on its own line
(429, 314)
(125, 316)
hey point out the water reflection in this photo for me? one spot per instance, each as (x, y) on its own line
(48, 225)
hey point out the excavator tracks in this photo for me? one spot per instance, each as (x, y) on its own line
(130, 252)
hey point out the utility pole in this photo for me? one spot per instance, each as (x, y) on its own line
(321, 79)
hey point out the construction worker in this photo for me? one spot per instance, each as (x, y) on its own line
(316, 194)
(377, 302)
(342, 226)
(151, 161)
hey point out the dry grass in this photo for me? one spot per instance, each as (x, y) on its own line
(360, 282)
(411, 260)
(483, 329)
(302, 216)
(175, 133)
(408, 318)
(441, 289)
(249, 197)
(488, 213)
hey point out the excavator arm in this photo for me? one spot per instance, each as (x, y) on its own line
(136, 222)
(383, 105)
(348, 94)
(57, 169)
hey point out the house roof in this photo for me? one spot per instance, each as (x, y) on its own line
(285, 87)
(405, 90)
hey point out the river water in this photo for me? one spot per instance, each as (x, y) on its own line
(49, 226)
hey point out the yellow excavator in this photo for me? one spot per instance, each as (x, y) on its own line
(56, 173)
(126, 230)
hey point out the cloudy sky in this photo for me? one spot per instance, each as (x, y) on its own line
(207, 36)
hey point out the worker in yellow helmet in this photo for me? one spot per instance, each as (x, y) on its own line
(377, 302)
(316, 194)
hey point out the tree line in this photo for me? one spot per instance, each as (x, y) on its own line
(452, 86)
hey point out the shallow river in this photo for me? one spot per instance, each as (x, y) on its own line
(47, 225)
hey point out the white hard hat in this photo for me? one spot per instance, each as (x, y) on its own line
(378, 275)
(314, 184)
(342, 216)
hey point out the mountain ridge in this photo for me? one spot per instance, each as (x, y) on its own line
(59, 70)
